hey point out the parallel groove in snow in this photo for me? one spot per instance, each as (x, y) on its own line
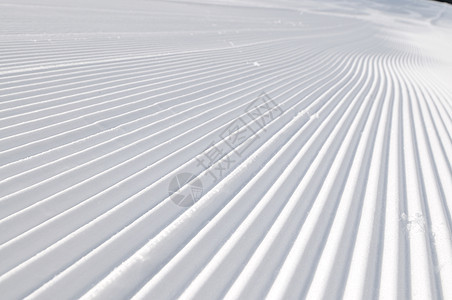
(347, 193)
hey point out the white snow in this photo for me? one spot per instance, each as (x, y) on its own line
(320, 133)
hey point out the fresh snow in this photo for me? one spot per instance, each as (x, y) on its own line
(208, 149)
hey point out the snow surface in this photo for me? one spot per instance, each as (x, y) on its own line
(208, 149)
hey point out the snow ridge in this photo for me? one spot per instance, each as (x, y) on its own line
(340, 184)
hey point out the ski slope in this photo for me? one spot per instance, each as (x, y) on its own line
(208, 149)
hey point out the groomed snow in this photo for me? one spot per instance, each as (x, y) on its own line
(208, 149)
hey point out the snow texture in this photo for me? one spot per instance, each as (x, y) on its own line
(208, 149)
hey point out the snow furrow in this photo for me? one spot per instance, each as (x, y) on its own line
(220, 149)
